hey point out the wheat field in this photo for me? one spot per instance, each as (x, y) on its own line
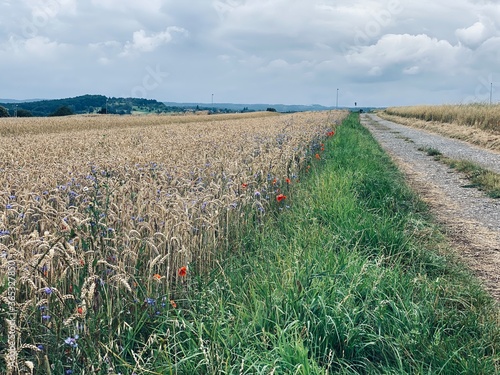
(98, 213)
(482, 116)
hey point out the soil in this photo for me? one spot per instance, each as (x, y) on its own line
(470, 219)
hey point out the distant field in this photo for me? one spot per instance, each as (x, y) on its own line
(482, 116)
(475, 123)
(95, 207)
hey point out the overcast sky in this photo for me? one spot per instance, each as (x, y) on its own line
(376, 53)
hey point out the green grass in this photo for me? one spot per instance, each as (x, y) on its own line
(480, 178)
(348, 275)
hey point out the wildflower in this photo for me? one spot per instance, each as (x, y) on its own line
(46, 317)
(79, 310)
(9, 206)
(257, 194)
(244, 185)
(47, 290)
(288, 181)
(150, 301)
(157, 277)
(182, 271)
(71, 341)
(317, 156)
(275, 181)
(172, 302)
(68, 372)
(40, 347)
(280, 197)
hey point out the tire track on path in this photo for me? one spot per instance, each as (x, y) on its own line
(470, 218)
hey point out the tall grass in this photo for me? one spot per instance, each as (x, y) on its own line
(482, 116)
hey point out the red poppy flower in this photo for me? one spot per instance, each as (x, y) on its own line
(317, 156)
(244, 185)
(280, 197)
(79, 310)
(288, 181)
(172, 302)
(182, 271)
(157, 277)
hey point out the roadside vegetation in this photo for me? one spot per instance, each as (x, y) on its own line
(328, 264)
(480, 178)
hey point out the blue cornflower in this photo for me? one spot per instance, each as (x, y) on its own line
(71, 341)
(12, 197)
(9, 206)
(45, 317)
(40, 347)
(47, 290)
(150, 301)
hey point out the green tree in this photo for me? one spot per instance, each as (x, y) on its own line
(24, 113)
(62, 111)
(3, 112)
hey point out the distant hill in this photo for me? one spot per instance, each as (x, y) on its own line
(18, 101)
(122, 106)
(86, 104)
(250, 107)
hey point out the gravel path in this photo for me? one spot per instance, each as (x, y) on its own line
(472, 219)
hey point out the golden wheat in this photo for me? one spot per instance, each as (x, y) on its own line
(481, 116)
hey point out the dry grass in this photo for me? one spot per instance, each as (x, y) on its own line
(127, 202)
(476, 124)
(481, 116)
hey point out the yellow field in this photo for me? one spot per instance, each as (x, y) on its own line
(482, 116)
(136, 203)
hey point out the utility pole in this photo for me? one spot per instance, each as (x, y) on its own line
(15, 112)
(491, 92)
(337, 105)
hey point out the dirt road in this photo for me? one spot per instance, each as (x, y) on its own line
(470, 218)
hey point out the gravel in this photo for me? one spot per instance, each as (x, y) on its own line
(472, 218)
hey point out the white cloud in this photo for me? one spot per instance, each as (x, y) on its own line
(411, 70)
(475, 35)
(394, 51)
(141, 42)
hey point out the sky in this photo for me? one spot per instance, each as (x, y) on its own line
(372, 53)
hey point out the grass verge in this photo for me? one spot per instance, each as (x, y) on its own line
(480, 178)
